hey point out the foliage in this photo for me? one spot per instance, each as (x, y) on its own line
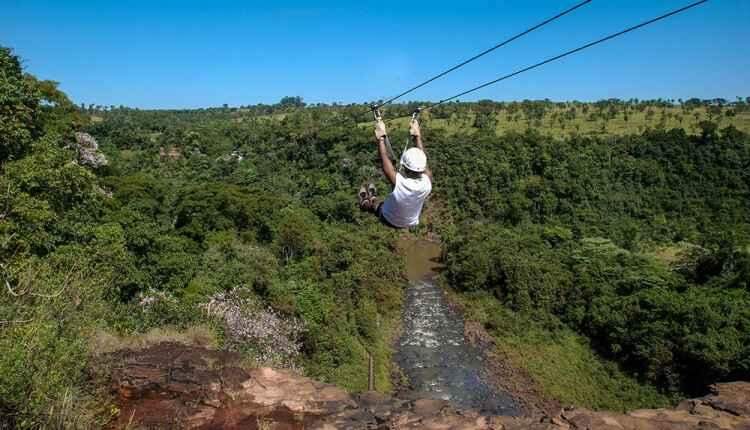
(559, 217)
(559, 360)
(185, 213)
(19, 107)
(564, 230)
(50, 308)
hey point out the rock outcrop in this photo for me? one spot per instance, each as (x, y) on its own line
(171, 385)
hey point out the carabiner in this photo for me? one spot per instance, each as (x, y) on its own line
(415, 114)
(376, 112)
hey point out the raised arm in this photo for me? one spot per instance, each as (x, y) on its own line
(385, 160)
(416, 137)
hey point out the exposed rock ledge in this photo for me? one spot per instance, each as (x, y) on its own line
(171, 385)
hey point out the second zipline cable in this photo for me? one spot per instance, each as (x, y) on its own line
(564, 54)
(477, 56)
(486, 51)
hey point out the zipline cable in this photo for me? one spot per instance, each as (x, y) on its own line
(475, 57)
(485, 52)
(564, 54)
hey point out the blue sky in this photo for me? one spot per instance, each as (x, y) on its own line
(167, 54)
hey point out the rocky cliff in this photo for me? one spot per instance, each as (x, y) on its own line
(171, 385)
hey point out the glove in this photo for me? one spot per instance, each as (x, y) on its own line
(414, 129)
(380, 129)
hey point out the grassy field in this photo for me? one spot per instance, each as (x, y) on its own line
(561, 362)
(559, 122)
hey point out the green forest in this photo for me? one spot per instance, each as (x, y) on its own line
(623, 225)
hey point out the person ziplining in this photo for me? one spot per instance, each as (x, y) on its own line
(412, 182)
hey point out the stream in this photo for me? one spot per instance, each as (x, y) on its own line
(432, 351)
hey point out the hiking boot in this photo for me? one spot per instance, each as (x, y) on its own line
(371, 190)
(362, 194)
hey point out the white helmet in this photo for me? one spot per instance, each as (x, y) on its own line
(414, 159)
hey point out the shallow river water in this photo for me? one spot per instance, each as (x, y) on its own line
(432, 351)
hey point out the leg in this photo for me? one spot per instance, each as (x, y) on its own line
(369, 204)
(367, 200)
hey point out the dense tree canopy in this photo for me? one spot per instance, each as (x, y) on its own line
(640, 242)
(189, 216)
(637, 240)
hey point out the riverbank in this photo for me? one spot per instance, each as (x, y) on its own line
(550, 366)
(435, 358)
(542, 368)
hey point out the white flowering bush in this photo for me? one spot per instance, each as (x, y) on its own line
(273, 339)
(88, 151)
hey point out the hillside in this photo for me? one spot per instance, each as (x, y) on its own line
(607, 259)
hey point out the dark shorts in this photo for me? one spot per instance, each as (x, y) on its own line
(379, 212)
